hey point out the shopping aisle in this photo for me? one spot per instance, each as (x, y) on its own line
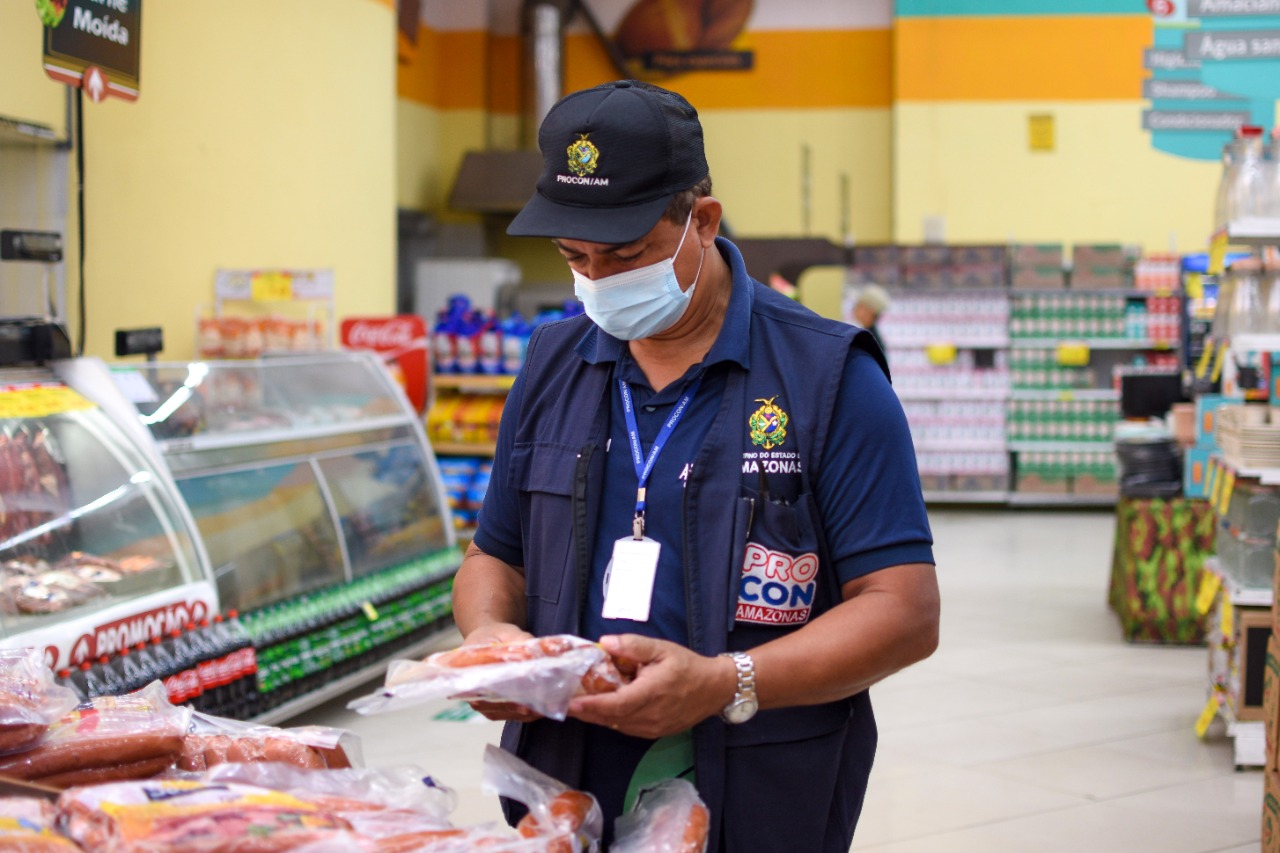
(1035, 727)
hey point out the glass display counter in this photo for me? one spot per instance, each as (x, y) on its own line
(97, 551)
(309, 476)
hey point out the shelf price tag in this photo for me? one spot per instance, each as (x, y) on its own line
(1211, 478)
(1206, 716)
(370, 612)
(1073, 354)
(39, 401)
(1215, 496)
(1206, 356)
(1220, 362)
(1228, 488)
(1227, 621)
(1066, 396)
(1217, 252)
(941, 354)
(271, 286)
(1194, 284)
(1210, 583)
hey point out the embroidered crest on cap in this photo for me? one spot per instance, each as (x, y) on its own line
(584, 156)
(768, 424)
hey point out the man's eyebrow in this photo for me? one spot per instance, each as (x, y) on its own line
(612, 247)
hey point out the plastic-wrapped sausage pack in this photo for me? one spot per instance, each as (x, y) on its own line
(30, 700)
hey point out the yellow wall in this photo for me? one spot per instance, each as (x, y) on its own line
(964, 87)
(26, 93)
(263, 137)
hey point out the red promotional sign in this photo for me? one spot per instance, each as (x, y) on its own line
(401, 341)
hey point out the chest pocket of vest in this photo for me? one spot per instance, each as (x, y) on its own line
(543, 474)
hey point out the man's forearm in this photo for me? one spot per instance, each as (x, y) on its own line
(487, 591)
(885, 624)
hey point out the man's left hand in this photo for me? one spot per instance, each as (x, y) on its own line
(673, 688)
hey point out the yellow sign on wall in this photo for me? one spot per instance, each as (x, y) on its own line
(1040, 132)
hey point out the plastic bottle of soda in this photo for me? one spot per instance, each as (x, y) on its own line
(230, 684)
(130, 671)
(93, 683)
(110, 676)
(204, 658)
(246, 665)
(166, 666)
(183, 685)
(67, 679)
(147, 664)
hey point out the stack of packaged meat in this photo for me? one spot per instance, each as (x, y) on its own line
(30, 700)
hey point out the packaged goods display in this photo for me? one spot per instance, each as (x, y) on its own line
(303, 642)
(1248, 190)
(29, 825)
(542, 673)
(919, 319)
(30, 699)
(916, 375)
(1062, 419)
(957, 424)
(670, 817)
(466, 480)
(250, 337)
(469, 340)
(1106, 316)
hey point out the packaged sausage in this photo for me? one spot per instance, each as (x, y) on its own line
(106, 732)
(182, 816)
(541, 673)
(668, 817)
(217, 740)
(569, 821)
(30, 700)
(28, 825)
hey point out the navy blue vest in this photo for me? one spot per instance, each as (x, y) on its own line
(792, 778)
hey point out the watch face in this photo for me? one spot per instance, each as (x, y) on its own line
(741, 711)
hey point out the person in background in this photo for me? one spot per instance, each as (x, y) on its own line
(873, 300)
(711, 481)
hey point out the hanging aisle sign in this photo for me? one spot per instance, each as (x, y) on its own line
(94, 45)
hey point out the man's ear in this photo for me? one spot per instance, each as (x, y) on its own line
(706, 219)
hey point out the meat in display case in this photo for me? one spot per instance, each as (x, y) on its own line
(319, 502)
(97, 552)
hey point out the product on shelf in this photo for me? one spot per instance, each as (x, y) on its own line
(235, 337)
(466, 480)
(468, 340)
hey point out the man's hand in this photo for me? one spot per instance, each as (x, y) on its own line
(499, 632)
(673, 688)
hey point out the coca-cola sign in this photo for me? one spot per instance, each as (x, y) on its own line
(401, 341)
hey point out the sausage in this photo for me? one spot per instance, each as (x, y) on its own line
(568, 811)
(20, 735)
(200, 752)
(520, 650)
(694, 839)
(215, 750)
(144, 769)
(74, 753)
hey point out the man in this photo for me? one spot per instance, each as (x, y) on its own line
(697, 466)
(871, 303)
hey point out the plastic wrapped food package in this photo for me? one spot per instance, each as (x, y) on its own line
(105, 739)
(670, 817)
(213, 741)
(28, 825)
(571, 819)
(542, 673)
(30, 700)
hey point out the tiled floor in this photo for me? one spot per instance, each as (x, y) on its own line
(1034, 729)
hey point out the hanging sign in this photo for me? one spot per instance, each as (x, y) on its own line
(94, 45)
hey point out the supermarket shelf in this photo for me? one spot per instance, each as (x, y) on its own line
(992, 394)
(960, 445)
(436, 642)
(1240, 596)
(1113, 291)
(1064, 394)
(464, 448)
(1054, 499)
(1256, 231)
(1255, 343)
(1059, 446)
(962, 343)
(1092, 343)
(1265, 476)
(963, 497)
(474, 382)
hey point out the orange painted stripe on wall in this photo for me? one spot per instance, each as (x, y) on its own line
(849, 68)
(1078, 57)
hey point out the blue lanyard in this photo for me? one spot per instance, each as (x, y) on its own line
(644, 465)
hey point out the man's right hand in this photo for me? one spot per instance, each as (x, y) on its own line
(500, 632)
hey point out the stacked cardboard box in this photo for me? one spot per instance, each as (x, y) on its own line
(1101, 266)
(1036, 267)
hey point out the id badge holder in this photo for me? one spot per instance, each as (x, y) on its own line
(629, 581)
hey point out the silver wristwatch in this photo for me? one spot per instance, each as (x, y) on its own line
(744, 704)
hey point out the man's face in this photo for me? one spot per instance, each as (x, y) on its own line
(599, 260)
(864, 316)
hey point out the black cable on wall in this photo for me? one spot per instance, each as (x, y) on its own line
(80, 212)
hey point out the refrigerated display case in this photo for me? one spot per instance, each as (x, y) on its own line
(97, 551)
(320, 504)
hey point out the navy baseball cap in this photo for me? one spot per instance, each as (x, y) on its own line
(613, 157)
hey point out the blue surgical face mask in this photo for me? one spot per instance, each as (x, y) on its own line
(638, 303)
